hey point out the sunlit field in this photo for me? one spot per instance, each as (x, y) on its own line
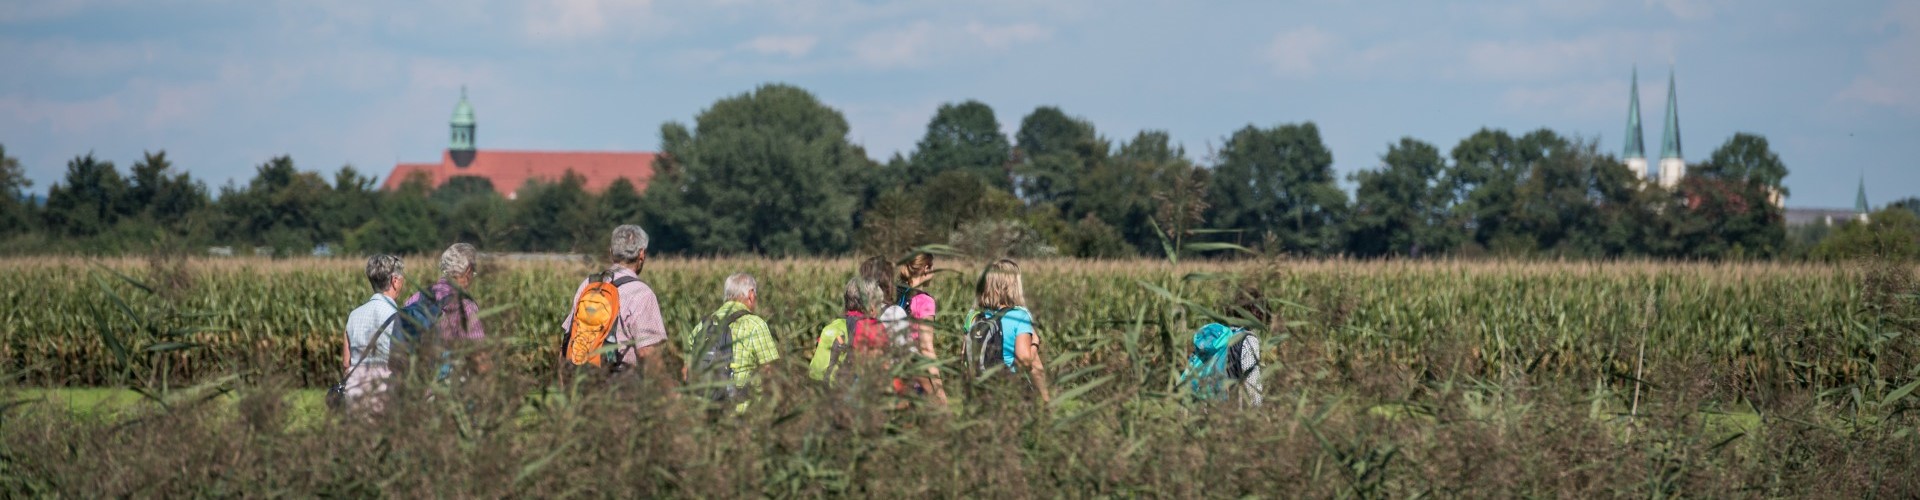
(200, 377)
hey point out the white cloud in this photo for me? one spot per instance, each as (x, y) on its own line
(1299, 52)
(576, 19)
(1000, 37)
(1892, 77)
(790, 46)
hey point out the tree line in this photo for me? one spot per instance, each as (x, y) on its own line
(772, 172)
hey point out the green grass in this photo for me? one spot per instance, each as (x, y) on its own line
(306, 407)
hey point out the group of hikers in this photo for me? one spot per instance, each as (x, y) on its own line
(615, 327)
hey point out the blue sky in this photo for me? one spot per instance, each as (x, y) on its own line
(224, 85)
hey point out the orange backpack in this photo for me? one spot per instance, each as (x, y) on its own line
(596, 319)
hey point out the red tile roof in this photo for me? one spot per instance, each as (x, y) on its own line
(509, 170)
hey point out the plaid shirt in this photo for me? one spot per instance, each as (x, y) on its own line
(753, 344)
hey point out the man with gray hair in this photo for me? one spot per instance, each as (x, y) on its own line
(638, 328)
(732, 343)
(370, 331)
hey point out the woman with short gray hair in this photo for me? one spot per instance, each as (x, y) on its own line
(370, 330)
(459, 324)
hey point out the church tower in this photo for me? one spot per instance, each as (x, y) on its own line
(1672, 167)
(1860, 207)
(1636, 149)
(461, 148)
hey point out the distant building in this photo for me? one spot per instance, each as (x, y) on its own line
(1636, 149)
(508, 170)
(1831, 216)
(1673, 166)
(1860, 207)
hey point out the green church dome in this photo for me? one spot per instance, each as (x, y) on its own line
(462, 125)
(463, 112)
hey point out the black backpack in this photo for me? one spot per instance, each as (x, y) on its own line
(984, 340)
(715, 365)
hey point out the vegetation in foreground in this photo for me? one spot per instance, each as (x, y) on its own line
(1387, 380)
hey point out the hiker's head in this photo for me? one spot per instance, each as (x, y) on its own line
(862, 295)
(880, 272)
(917, 270)
(1251, 303)
(629, 246)
(383, 273)
(742, 288)
(457, 264)
(999, 286)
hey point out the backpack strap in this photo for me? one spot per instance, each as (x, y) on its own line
(727, 322)
(613, 331)
(370, 341)
(1235, 357)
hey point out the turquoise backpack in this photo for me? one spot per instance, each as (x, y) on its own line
(1215, 363)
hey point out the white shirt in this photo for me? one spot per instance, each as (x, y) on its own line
(363, 326)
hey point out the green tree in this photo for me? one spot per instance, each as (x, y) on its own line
(767, 172)
(558, 216)
(1910, 203)
(90, 201)
(166, 196)
(964, 136)
(1725, 205)
(1744, 158)
(1891, 233)
(1488, 168)
(1125, 192)
(1402, 208)
(955, 198)
(461, 187)
(894, 224)
(484, 220)
(405, 224)
(1280, 181)
(354, 202)
(1720, 218)
(15, 213)
(281, 207)
(1577, 202)
(619, 203)
(1055, 150)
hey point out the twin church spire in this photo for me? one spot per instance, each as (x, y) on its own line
(1672, 166)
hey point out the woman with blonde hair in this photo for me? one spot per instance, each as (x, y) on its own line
(1002, 313)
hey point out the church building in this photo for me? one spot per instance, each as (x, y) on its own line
(1672, 166)
(509, 170)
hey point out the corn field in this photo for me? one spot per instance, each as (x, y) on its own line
(1391, 379)
(1750, 326)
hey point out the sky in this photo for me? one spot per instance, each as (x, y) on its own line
(223, 86)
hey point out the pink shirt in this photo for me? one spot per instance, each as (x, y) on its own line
(640, 318)
(457, 322)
